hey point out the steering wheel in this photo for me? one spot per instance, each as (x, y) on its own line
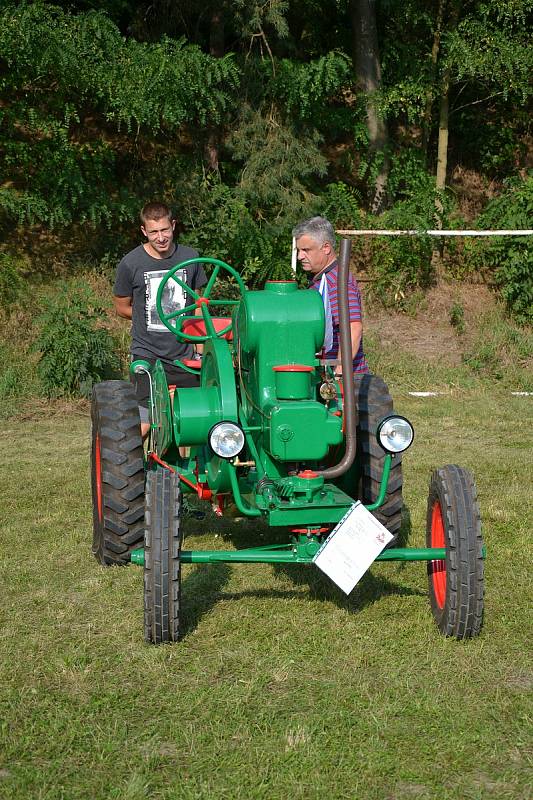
(172, 319)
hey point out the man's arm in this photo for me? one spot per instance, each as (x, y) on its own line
(123, 306)
(356, 331)
(356, 322)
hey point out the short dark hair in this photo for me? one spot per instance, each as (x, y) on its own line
(155, 210)
(318, 228)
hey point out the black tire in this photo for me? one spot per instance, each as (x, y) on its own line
(162, 551)
(456, 584)
(117, 473)
(373, 402)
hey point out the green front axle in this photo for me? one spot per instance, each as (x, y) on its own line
(299, 553)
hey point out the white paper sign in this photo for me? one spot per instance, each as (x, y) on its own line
(351, 547)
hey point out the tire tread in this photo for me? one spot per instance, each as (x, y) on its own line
(115, 419)
(373, 402)
(462, 613)
(162, 551)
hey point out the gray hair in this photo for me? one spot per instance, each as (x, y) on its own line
(319, 228)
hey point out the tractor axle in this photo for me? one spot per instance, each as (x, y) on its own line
(291, 554)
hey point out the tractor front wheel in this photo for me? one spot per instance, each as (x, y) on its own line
(117, 473)
(455, 583)
(162, 552)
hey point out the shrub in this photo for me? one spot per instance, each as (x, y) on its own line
(510, 258)
(76, 350)
(457, 317)
(403, 265)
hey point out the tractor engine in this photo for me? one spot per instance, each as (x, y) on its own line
(278, 331)
(264, 381)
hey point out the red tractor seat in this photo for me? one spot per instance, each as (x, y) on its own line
(196, 326)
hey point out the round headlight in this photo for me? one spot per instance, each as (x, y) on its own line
(395, 434)
(226, 439)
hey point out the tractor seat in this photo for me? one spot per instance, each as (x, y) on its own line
(196, 326)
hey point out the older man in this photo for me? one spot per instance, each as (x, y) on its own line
(315, 243)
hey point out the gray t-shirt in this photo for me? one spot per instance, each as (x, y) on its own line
(138, 277)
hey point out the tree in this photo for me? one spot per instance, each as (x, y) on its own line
(368, 76)
(70, 100)
(487, 53)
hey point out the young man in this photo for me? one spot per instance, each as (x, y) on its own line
(138, 277)
(315, 242)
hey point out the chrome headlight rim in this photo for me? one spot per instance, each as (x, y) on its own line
(382, 441)
(236, 427)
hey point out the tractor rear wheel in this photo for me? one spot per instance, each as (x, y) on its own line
(117, 473)
(373, 402)
(455, 583)
(162, 552)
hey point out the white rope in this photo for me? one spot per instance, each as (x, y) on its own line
(436, 394)
(435, 233)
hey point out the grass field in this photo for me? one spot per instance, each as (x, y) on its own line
(282, 687)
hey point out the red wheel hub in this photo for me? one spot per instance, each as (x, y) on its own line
(437, 569)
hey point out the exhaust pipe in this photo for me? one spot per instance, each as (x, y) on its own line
(347, 366)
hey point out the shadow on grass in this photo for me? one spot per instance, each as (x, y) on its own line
(203, 588)
(370, 589)
(200, 591)
(406, 527)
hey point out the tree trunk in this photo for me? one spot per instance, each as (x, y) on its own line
(442, 164)
(216, 49)
(435, 50)
(442, 148)
(368, 74)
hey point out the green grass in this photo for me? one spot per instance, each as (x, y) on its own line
(281, 688)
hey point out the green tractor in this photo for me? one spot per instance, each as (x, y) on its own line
(272, 432)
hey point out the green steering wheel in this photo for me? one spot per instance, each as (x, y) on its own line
(172, 319)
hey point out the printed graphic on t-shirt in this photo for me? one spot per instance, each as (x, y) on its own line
(173, 298)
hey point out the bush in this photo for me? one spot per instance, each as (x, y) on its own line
(457, 317)
(510, 257)
(225, 228)
(76, 350)
(402, 266)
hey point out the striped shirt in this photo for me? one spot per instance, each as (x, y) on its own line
(354, 308)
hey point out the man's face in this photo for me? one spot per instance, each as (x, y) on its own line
(160, 235)
(312, 255)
